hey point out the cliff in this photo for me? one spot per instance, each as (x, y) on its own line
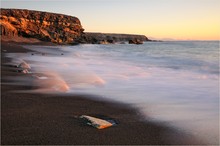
(57, 28)
(97, 38)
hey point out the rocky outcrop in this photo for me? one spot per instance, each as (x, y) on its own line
(57, 28)
(109, 38)
(135, 41)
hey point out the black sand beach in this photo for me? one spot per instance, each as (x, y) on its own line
(43, 119)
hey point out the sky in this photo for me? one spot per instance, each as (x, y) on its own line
(157, 19)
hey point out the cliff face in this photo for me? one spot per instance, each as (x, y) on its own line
(44, 26)
(95, 38)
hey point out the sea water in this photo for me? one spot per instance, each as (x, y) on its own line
(172, 82)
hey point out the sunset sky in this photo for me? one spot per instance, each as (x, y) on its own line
(158, 19)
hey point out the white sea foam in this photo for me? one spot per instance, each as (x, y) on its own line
(173, 82)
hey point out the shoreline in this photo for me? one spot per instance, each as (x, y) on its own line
(50, 119)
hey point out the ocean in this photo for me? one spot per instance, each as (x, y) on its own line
(175, 83)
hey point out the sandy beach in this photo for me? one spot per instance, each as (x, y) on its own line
(50, 119)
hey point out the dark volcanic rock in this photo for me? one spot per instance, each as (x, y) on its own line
(135, 41)
(57, 28)
(103, 38)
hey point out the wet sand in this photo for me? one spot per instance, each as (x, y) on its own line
(43, 119)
